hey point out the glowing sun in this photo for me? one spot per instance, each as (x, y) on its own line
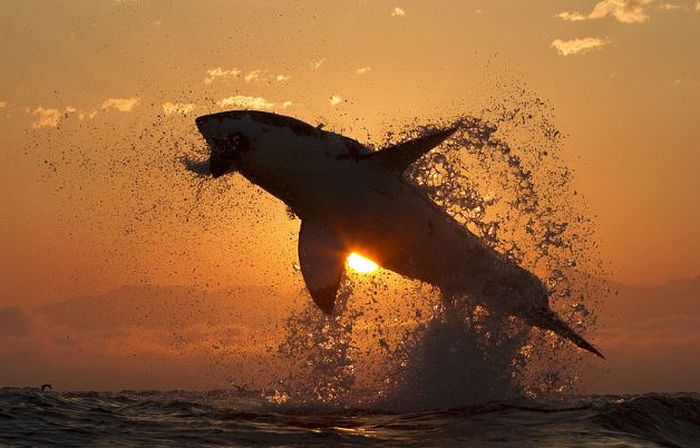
(361, 264)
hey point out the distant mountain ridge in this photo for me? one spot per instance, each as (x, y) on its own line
(635, 303)
(170, 336)
(154, 305)
(157, 306)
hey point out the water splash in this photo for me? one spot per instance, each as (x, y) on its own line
(320, 354)
(515, 194)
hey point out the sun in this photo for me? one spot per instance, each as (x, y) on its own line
(361, 264)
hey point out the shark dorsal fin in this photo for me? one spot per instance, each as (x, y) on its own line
(400, 156)
(322, 261)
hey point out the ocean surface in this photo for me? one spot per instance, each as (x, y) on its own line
(30, 418)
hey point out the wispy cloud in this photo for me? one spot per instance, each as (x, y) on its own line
(84, 114)
(669, 6)
(363, 70)
(251, 102)
(178, 108)
(220, 73)
(256, 75)
(51, 117)
(397, 12)
(121, 104)
(697, 6)
(317, 64)
(624, 11)
(252, 75)
(578, 46)
(572, 16)
(335, 100)
(3, 104)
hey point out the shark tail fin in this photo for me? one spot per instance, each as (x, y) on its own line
(550, 321)
(399, 157)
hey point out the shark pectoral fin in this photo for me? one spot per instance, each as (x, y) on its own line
(322, 260)
(399, 157)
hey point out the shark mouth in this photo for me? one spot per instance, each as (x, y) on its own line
(224, 152)
(222, 158)
(220, 161)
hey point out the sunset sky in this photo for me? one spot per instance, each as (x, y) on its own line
(81, 81)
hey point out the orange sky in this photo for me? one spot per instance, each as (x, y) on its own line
(83, 79)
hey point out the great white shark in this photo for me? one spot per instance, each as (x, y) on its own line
(353, 199)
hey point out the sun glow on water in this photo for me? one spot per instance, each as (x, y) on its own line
(361, 264)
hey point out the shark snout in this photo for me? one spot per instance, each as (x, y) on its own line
(224, 139)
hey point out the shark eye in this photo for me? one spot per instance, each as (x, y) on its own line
(238, 142)
(231, 143)
(221, 145)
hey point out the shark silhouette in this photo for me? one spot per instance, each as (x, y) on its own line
(353, 199)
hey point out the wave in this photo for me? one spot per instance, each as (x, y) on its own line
(29, 417)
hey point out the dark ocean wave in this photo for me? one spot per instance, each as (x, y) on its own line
(29, 417)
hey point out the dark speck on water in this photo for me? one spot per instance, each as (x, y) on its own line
(29, 418)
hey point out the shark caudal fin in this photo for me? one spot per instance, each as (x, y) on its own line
(550, 321)
(399, 157)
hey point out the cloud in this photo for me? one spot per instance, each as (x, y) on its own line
(624, 11)
(572, 16)
(251, 102)
(363, 70)
(83, 114)
(3, 104)
(398, 12)
(669, 6)
(49, 117)
(121, 104)
(253, 75)
(220, 73)
(578, 46)
(178, 108)
(317, 64)
(697, 6)
(335, 100)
